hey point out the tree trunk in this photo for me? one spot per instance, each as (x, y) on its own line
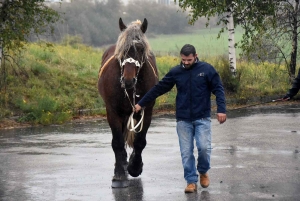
(293, 62)
(0, 56)
(231, 43)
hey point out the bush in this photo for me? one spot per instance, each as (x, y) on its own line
(230, 82)
(38, 68)
(43, 111)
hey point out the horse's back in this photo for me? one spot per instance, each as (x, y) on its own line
(107, 54)
(108, 65)
(152, 61)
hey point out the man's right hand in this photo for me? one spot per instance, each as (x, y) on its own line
(137, 108)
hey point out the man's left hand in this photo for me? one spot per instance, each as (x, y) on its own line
(221, 117)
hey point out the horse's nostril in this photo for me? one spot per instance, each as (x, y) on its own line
(129, 84)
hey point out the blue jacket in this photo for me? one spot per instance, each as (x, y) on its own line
(194, 88)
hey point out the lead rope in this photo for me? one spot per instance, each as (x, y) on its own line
(130, 122)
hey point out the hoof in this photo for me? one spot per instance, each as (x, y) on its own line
(135, 172)
(120, 183)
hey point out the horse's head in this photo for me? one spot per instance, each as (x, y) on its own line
(131, 64)
(132, 50)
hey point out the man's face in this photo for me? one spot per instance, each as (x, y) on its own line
(188, 61)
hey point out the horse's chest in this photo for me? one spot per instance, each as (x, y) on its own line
(123, 102)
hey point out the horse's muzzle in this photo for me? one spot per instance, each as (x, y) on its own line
(128, 83)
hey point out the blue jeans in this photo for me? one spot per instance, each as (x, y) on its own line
(187, 131)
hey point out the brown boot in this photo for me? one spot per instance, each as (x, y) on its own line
(204, 180)
(191, 188)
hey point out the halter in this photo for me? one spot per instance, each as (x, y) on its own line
(122, 64)
(136, 63)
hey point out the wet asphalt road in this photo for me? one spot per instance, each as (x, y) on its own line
(256, 156)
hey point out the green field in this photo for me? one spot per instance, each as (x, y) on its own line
(205, 40)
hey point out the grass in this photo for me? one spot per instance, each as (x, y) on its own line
(58, 82)
(204, 40)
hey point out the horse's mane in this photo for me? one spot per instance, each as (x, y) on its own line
(128, 38)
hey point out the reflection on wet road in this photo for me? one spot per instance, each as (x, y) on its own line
(255, 157)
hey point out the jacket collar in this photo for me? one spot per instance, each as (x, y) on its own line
(197, 61)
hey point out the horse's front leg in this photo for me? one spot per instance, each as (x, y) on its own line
(118, 146)
(135, 166)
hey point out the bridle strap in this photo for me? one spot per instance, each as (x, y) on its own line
(130, 60)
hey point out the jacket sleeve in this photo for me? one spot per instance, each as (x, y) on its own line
(218, 90)
(295, 87)
(162, 87)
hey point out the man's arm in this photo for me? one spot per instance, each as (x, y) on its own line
(218, 90)
(163, 86)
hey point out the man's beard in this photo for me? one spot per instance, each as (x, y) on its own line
(187, 66)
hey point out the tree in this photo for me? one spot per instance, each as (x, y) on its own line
(97, 22)
(19, 19)
(281, 33)
(257, 18)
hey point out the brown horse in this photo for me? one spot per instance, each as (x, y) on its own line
(127, 72)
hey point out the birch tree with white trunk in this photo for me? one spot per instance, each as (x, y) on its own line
(231, 43)
(259, 20)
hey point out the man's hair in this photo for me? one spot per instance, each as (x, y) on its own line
(188, 49)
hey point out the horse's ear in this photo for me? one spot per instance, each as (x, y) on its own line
(122, 26)
(144, 26)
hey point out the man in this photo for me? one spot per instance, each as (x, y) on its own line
(195, 81)
(295, 88)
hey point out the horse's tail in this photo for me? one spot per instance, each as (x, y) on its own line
(129, 136)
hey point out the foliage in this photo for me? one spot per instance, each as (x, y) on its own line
(19, 19)
(61, 80)
(62, 83)
(274, 21)
(248, 14)
(43, 110)
(230, 83)
(279, 38)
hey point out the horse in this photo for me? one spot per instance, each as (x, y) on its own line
(128, 70)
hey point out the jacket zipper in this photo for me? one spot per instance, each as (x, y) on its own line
(191, 98)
